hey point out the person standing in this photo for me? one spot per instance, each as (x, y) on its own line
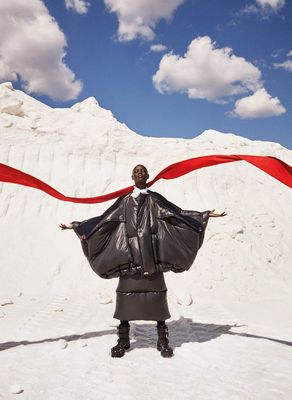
(141, 236)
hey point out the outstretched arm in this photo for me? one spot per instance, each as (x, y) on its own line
(190, 212)
(213, 214)
(64, 226)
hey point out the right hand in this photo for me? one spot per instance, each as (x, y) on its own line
(64, 226)
(213, 214)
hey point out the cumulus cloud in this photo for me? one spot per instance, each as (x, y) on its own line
(158, 48)
(263, 8)
(138, 18)
(259, 105)
(79, 6)
(216, 74)
(206, 72)
(275, 5)
(6, 74)
(287, 65)
(32, 47)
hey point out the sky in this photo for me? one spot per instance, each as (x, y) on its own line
(166, 68)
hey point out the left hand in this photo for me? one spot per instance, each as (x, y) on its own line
(213, 214)
(64, 226)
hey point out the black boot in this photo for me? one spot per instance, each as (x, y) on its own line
(123, 342)
(162, 343)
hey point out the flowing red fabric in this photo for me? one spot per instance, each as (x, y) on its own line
(271, 165)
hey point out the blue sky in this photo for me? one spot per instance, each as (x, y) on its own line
(245, 90)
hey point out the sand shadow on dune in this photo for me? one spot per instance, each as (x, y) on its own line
(68, 338)
(184, 330)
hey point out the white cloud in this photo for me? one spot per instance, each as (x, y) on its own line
(158, 48)
(138, 18)
(275, 5)
(32, 46)
(206, 72)
(259, 105)
(79, 6)
(250, 9)
(264, 8)
(6, 74)
(287, 65)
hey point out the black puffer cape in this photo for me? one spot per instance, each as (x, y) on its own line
(168, 242)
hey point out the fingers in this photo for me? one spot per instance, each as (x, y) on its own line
(212, 214)
(64, 226)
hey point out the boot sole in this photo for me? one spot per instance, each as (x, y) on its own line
(127, 348)
(160, 348)
(167, 355)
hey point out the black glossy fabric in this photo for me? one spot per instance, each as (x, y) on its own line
(137, 239)
(149, 306)
(137, 215)
(136, 283)
(161, 238)
(141, 297)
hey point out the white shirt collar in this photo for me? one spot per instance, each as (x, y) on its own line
(136, 192)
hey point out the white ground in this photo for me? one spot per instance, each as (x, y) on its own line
(231, 325)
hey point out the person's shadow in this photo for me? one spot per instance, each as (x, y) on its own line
(185, 330)
(181, 331)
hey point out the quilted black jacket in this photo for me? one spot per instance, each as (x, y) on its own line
(174, 236)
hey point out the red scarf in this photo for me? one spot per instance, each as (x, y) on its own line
(271, 165)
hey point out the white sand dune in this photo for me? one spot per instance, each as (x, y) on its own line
(231, 325)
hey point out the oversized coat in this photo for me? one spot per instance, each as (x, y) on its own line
(137, 240)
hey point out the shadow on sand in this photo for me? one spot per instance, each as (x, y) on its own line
(181, 331)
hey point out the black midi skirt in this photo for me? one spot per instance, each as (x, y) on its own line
(142, 298)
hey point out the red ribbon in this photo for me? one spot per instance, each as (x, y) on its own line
(271, 165)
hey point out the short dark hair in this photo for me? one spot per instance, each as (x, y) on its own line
(139, 165)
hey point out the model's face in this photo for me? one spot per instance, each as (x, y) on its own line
(140, 176)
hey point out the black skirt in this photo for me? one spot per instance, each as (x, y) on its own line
(142, 298)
